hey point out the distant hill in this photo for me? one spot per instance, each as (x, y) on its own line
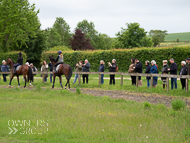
(182, 36)
(173, 36)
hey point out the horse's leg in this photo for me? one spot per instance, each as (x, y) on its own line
(66, 84)
(11, 79)
(60, 79)
(25, 81)
(53, 80)
(18, 81)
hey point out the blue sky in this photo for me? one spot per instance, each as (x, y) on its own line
(110, 15)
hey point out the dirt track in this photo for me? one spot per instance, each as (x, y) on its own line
(128, 95)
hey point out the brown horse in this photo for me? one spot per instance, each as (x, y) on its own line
(64, 69)
(23, 70)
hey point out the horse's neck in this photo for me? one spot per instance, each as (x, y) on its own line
(11, 64)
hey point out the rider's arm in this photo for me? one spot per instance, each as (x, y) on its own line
(57, 59)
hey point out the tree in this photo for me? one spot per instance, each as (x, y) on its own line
(80, 42)
(158, 36)
(105, 42)
(89, 29)
(63, 29)
(133, 36)
(53, 38)
(18, 21)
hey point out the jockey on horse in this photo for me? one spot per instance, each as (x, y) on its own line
(58, 61)
(23, 70)
(18, 62)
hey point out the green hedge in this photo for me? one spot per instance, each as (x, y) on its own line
(123, 56)
(13, 55)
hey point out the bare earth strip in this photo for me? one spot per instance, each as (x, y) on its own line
(127, 95)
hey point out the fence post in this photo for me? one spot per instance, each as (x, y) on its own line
(99, 79)
(79, 79)
(151, 81)
(137, 79)
(42, 77)
(186, 85)
(121, 79)
(167, 85)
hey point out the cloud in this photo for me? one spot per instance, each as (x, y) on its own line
(110, 15)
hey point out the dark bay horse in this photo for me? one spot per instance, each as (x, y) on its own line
(64, 69)
(23, 70)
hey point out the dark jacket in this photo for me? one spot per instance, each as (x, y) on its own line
(173, 69)
(5, 68)
(183, 70)
(34, 69)
(138, 67)
(20, 61)
(164, 71)
(101, 68)
(154, 70)
(148, 71)
(188, 69)
(50, 66)
(113, 67)
(86, 67)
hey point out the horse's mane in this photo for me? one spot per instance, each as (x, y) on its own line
(12, 60)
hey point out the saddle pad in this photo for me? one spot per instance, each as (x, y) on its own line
(17, 68)
(57, 68)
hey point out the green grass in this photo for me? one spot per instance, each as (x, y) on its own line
(182, 36)
(82, 118)
(93, 83)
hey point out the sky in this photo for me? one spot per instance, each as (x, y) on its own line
(109, 16)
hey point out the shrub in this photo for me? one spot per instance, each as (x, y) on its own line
(178, 104)
(147, 105)
(123, 57)
(13, 55)
(78, 91)
(161, 107)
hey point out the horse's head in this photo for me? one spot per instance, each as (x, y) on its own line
(9, 61)
(51, 58)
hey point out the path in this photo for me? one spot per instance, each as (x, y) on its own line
(127, 95)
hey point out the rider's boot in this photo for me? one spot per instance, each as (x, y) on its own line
(14, 70)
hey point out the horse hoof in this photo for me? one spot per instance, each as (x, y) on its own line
(9, 86)
(31, 84)
(24, 86)
(18, 86)
(65, 87)
(68, 88)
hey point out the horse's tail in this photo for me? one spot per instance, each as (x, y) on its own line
(70, 73)
(30, 74)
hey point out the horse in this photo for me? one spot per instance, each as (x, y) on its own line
(64, 69)
(23, 70)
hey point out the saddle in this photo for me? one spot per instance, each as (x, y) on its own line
(18, 67)
(57, 68)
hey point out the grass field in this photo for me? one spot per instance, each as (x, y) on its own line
(61, 116)
(174, 36)
(182, 36)
(93, 83)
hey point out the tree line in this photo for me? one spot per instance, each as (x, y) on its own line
(20, 30)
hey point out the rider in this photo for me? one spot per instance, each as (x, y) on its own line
(19, 62)
(59, 60)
